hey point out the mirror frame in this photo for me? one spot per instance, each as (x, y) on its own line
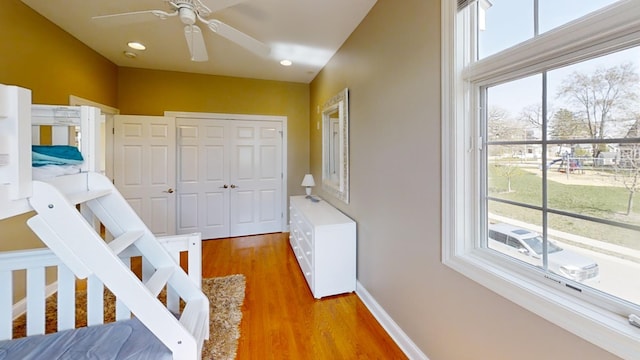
(337, 187)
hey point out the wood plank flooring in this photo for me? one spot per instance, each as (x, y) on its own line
(281, 319)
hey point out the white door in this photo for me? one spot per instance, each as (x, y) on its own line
(229, 177)
(203, 177)
(256, 177)
(144, 168)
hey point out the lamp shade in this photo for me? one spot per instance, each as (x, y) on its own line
(308, 180)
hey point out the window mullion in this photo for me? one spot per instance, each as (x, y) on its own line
(484, 160)
(536, 18)
(545, 217)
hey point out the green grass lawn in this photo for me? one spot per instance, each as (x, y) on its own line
(606, 202)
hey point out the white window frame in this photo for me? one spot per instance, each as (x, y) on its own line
(588, 314)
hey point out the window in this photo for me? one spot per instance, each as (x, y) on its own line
(541, 158)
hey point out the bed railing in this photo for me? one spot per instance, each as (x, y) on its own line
(37, 263)
(20, 127)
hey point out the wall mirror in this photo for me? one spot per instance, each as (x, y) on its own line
(335, 146)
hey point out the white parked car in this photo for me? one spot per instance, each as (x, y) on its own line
(526, 245)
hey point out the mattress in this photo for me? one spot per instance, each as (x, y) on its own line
(128, 339)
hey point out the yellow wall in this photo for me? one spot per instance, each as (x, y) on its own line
(151, 92)
(38, 55)
(391, 65)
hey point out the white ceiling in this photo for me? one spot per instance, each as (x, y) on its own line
(308, 32)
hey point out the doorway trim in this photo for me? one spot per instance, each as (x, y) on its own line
(108, 112)
(281, 119)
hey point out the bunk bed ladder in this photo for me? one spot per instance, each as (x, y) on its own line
(67, 233)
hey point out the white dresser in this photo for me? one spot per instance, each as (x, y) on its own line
(324, 242)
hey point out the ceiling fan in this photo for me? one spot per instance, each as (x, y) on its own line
(190, 12)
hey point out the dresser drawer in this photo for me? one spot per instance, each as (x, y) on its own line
(306, 271)
(297, 250)
(305, 228)
(294, 214)
(295, 233)
(305, 247)
(292, 240)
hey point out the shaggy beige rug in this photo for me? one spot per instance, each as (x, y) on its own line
(226, 295)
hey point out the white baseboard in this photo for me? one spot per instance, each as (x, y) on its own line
(404, 342)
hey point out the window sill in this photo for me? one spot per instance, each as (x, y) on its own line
(605, 329)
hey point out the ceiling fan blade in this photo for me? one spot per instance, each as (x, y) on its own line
(158, 13)
(239, 37)
(195, 41)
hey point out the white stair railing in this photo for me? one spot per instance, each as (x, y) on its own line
(14, 266)
(67, 233)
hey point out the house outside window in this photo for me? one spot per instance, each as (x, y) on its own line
(541, 158)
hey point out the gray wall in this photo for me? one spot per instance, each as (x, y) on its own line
(391, 65)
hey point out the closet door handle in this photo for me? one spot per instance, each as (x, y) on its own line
(224, 186)
(170, 191)
(234, 186)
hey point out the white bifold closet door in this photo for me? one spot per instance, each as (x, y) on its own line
(144, 168)
(229, 177)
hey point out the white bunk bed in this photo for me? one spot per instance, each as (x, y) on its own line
(145, 328)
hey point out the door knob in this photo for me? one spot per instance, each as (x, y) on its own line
(234, 186)
(170, 191)
(224, 186)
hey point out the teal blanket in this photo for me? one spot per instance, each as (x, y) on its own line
(42, 155)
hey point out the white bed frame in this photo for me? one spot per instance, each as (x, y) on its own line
(74, 256)
(34, 262)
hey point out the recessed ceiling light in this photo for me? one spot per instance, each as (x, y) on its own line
(136, 45)
(285, 62)
(129, 54)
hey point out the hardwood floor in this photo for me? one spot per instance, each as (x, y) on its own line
(281, 319)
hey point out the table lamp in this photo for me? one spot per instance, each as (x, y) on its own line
(308, 183)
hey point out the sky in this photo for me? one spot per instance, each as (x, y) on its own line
(509, 22)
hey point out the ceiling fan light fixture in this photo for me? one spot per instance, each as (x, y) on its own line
(136, 45)
(286, 62)
(187, 16)
(195, 41)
